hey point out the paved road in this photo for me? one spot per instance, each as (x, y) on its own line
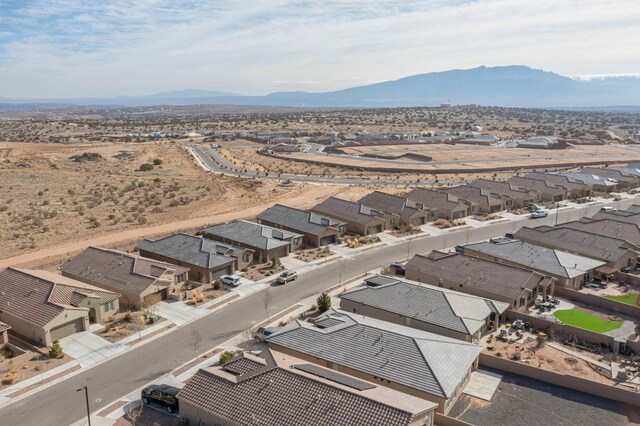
(61, 404)
(217, 163)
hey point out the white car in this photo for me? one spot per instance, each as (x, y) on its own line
(232, 280)
(539, 213)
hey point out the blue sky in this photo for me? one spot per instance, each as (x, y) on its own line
(83, 48)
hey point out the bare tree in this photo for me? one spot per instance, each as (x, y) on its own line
(266, 300)
(195, 339)
(134, 414)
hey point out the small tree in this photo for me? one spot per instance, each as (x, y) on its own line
(56, 350)
(195, 339)
(266, 300)
(324, 302)
(275, 262)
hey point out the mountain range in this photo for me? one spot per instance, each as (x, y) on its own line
(507, 86)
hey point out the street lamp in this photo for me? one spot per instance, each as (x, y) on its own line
(86, 395)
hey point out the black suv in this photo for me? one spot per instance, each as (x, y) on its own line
(163, 395)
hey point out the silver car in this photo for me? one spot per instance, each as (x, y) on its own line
(232, 280)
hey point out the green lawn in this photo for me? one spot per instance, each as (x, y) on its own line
(587, 321)
(630, 299)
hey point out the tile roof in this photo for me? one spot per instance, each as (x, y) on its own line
(493, 277)
(425, 361)
(535, 185)
(590, 179)
(502, 188)
(389, 203)
(475, 195)
(300, 220)
(278, 393)
(441, 307)
(191, 249)
(38, 297)
(630, 171)
(607, 227)
(585, 243)
(557, 180)
(611, 173)
(627, 216)
(252, 234)
(348, 210)
(547, 260)
(435, 200)
(121, 270)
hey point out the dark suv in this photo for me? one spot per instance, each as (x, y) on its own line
(163, 395)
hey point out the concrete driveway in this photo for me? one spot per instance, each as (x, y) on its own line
(177, 312)
(89, 349)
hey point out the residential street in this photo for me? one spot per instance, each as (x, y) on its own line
(60, 404)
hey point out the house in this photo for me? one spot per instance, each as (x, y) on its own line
(45, 307)
(4, 336)
(275, 389)
(573, 188)
(616, 252)
(630, 215)
(607, 227)
(316, 230)
(624, 180)
(415, 362)
(542, 142)
(140, 282)
(403, 210)
(265, 241)
(541, 188)
(207, 260)
(360, 219)
(436, 310)
(596, 182)
(520, 197)
(518, 287)
(283, 147)
(628, 170)
(569, 270)
(479, 199)
(440, 204)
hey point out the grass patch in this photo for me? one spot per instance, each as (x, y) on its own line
(630, 299)
(587, 321)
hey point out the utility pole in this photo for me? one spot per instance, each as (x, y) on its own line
(86, 395)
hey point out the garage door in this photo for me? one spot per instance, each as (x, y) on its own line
(67, 329)
(153, 298)
(217, 274)
(330, 239)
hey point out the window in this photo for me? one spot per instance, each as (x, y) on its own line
(245, 257)
(108, 306)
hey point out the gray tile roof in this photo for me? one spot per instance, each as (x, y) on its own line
(502, 188)
(611, 173)
(349, 211)
(424, 361)
(557, 180)
(547, 260)
(585, 243)
(435, 199)
(121, 270)
(631, 171)
(590, 179)
(300, 220)
(628, 216)
(441, 307)
(38, 297)
(607, 227)
(192, 250)
(276, 393)
(535, 185)
(492, 277)
(389, 203)
(251, 234)
(475, 195)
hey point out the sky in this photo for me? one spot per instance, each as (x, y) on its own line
(83, 48)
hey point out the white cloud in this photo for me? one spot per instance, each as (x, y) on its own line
(62, 48)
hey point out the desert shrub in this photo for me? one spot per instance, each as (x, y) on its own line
(146, 167)
(324, 302)
(157, 162)
(217, 284)
(226, 356)
(56, 350)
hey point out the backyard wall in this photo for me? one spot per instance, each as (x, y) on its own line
(442, 420)
(576, 383)
(599, 301)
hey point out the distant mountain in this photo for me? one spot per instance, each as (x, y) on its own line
(509, 86)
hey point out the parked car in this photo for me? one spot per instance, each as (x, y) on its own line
(509, 235)
(163, 395)
(287, 276)
(232, 280)
(397, 269)
(260, 334)
(534, 207)
(459, 249)
(607, 209)
(539, 214)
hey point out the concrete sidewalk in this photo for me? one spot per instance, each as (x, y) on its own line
(89, 349)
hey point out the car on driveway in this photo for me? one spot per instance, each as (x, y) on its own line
(162, 395)
(261, 333)
(232, 280)
(397, 268)
(539, 214)
(287, 276)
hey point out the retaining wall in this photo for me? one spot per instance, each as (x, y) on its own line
(616, 393)
(442, 420)
(599, 301)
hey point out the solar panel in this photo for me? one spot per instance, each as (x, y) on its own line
(335, 376)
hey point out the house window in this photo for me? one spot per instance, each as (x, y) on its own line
(108, 306)
(245, 257)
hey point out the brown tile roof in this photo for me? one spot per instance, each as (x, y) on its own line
(539, 186)
(40, 296)
(435, 200)
(120, 270)
(389, 203)
(503, 188)
(276, 393)
(493, 277)
(475, 195)
(348, 210)
(607, 227)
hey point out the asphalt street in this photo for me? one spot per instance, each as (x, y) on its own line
(62, 405)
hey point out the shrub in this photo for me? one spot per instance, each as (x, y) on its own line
(127, 316)
(324, 302)
(56, 350)
(157, 162)
(146, 167)
(217, 284)
(226, 356)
